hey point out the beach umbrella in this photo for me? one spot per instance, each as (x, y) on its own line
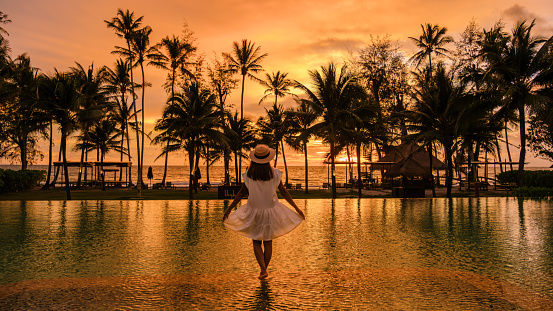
(150, 175)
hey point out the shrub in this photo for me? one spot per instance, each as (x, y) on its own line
(533, 192)
(11, 181)
(541, 178)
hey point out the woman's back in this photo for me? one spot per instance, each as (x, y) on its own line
(262, 193)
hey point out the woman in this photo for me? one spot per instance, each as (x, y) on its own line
(263, 218)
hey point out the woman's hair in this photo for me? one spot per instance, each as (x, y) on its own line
(258, 171)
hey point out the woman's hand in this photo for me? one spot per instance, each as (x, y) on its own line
(225, 216)
(300, 212)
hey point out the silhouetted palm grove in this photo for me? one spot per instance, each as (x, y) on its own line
(459, 99)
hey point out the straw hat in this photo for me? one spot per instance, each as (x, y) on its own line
(262, 154)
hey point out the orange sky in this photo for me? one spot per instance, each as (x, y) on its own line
(298, 35)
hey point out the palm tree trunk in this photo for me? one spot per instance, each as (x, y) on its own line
(81, 166)
(359, 179)
(58, 169)
(284, 159)
(438, 171)
(138, 183)
(142, 113)
(241, 118)
(449, 175)
(306, 167)
(226, 163)
(47, 184)
(24, 152)
(207, 169)
(276, 155)
(121, 157)
(498, 154)
(165, 164)
(475, 157)
(64, 155)
(196, 167)
(103, 172)
(242, 98)
(508, 147)
(348, 165)
(236, 172)
(239, 177)
(522, 155)
(333, 175)
(430, 167)
(86, 167)
(191, 169)
(129, 152)
(167, 153)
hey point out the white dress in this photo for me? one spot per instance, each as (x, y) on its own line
(263, 218)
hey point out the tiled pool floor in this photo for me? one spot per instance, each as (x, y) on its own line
(372, 289)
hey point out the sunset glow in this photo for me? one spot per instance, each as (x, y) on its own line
(297, 35)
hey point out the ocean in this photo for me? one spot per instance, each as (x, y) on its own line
(178, 175)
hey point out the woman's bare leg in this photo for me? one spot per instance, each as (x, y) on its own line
(260, 256)
(267, 252)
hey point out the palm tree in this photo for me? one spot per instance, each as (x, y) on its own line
(126, 26)
(440, 114)
(519, 63)
(3, 20)
(300, 120)
(211, 152)
(276, 84)
(171, 54)
(333, 95)
(192, 117)
(46, 94)
(92, 101)
(221, 80)
(241, 136)
(64, 105)
(274, 128)
(4, 44)
(431, 41)
(22, 117)
(118, 84)
(245, 59)
(104, 136)
(140, 48)
(222, 84)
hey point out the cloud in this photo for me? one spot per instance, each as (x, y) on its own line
(517, 13)
(330, 45)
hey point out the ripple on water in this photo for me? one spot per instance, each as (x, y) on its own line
(389, 289)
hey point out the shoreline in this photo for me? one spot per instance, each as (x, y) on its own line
(59, 194)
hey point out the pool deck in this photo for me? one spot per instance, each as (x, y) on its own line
(370, 289)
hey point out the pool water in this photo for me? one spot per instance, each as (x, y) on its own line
(349, 253)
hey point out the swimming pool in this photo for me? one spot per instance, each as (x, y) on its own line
(390, 253)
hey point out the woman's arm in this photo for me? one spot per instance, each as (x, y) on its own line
(237, 199)
(286, 195)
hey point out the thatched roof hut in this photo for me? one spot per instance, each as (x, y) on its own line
(408, 160)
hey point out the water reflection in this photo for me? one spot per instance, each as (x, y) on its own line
(501, 237)
(263, 297)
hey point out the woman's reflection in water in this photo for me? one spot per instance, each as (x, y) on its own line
(263, 297)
